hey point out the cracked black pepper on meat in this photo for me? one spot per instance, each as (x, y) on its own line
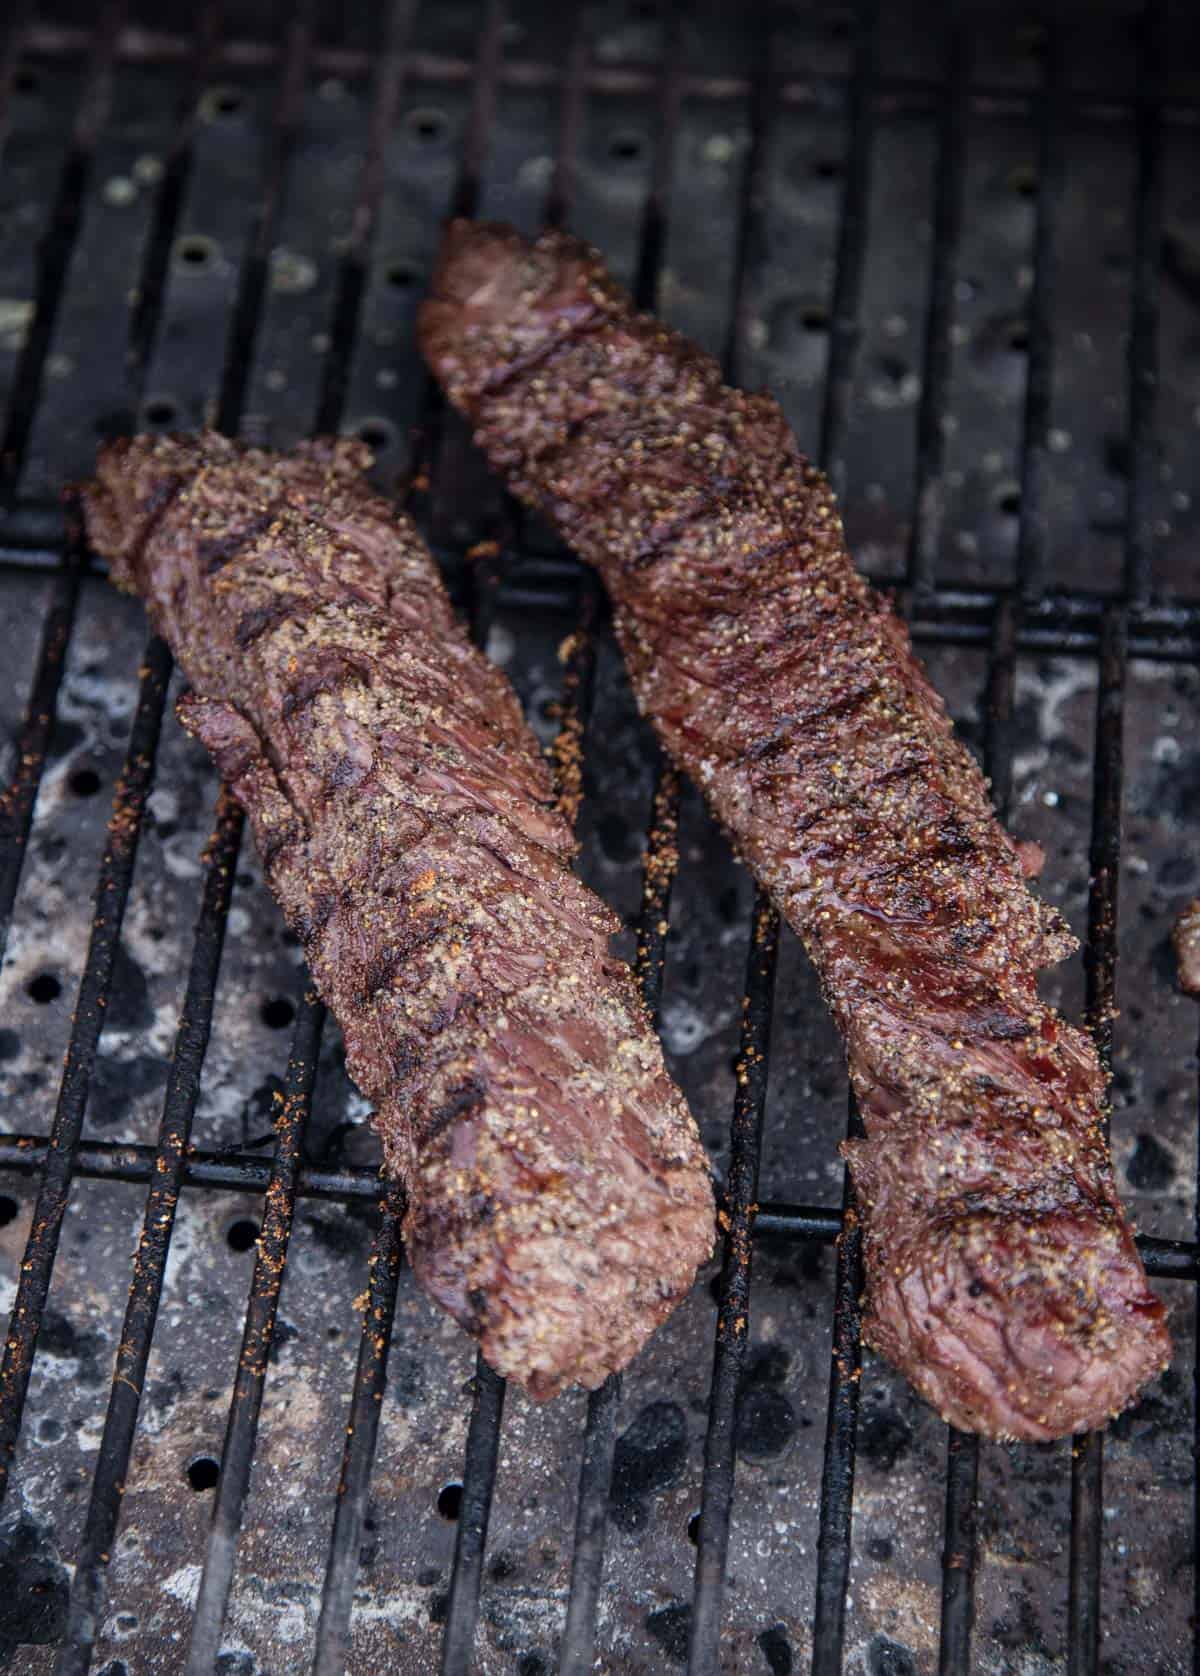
(1002, 1275)
(558, 1200)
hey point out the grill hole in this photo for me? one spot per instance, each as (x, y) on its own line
(225, 101)
(25, 81)
(1008, 500)
(241, 1236)
(376, 433)
(203, 1472)
(1018, 338)
(85, 782)
(278, 1012)
(161, 410)
(625, 147)
(401, 276)
(8, 1209)
(827, 168)
(44, 988)
(449, 1501)
(694, 1530)
(1024, 181)
(427, 125)
(814, 318)
(195, 252)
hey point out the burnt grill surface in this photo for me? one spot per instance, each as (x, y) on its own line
(964, 253)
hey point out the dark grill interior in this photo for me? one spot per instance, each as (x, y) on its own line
(965, 252)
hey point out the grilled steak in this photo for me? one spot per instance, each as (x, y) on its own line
(1002, 1275)
(558, 1196)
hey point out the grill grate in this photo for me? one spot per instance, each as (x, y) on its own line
(1006, 621)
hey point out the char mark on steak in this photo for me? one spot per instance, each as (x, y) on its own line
(558, 1200)
(1002, 1275)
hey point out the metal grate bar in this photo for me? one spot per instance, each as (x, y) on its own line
(577, 1655)
(112, 894)
(352, 268)
(1142, 371)
(1064, 621)
(962, 1449)
(241, 1172)
(1039, 377)
(17, 804)
(841, 1427)
(600, 1430)
(56, 245)
(483, 1432)
(479, 1478)
(241, 1434)
(662, 853)
(54, 254)
(485, 75)
(12, 41)
(837, 1475)
(958, 1553)
(577, 1651)
(370, 1374)
(150, 46)
(962, 1452)
(929, 497)
(33, 739)
(89, 1589)
(362, 1432)
(733, 1306)
(168, 204)
(741, 1193)
(844, 326)
(252, 278)
(1087, 1455)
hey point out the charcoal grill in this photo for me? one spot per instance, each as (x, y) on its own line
(964, 249)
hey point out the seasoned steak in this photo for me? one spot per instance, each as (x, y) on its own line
(558, 1196)
(1002, 1275)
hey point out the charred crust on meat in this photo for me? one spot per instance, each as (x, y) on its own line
(791, 695)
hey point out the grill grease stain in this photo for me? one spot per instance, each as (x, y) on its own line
(671, 1627)
(648, 1458)
(884, 1437)
(766, 1420)
(33, 1588)
(1151, 1168)
(890, 1658)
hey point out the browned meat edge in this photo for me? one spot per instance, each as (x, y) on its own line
(1002, 1275)
(558, 1197)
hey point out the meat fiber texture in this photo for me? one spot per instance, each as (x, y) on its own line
(1002, 1275)
(558, 1198)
